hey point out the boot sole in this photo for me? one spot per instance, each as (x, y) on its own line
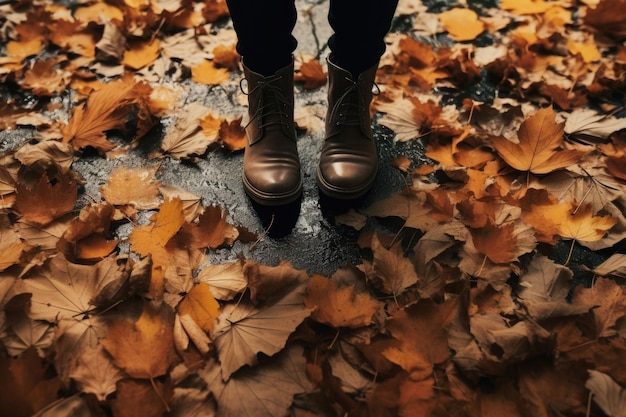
(343, 193)
(269, 199)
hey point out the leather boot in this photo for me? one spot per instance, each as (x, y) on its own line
(348, 162)
(271, 167)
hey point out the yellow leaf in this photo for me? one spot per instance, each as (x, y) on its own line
(207, 73)
(587, 50)
(142, 54)
(200, 305)
(523, 7)
(461, 24)
(583, 225)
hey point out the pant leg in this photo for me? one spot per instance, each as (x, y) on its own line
(359, 29)
(263, 28)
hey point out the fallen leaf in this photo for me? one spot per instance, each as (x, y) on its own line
(136, 186)
(226, 56)
(224, 280)
(96, 374)
(607, 394)
(393, 272)
(200, 305)
(461, 24)
(233, 135)
(59, 191)
(136, 397)
(339, 306)
(266, 282)
(141, 54)
(537, 151)
(48, 151)
(244, 330)
(606, 301)
(208, 74)
(186, 137)
(144, 349)
(311, 74)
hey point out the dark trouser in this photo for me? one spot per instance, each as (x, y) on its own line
(266, 44)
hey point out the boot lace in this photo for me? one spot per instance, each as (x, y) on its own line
(274, 108)
(349, 106)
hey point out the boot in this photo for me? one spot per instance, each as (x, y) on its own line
(348, 162)
(271, 168)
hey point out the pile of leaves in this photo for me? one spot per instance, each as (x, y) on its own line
(464, 311)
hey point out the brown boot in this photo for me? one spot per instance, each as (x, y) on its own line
(271, 167)
(349, 162)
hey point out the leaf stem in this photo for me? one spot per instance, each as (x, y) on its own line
(569, 255)
(482, 266)
(156, 391)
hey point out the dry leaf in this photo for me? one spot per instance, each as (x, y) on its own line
(339, 306)
(225, 280)
(207, 73)
(311, 74)
(200, 305)
(243, 330)
(136, 186)
(537, 151)
(186, 137)
(144, 348)
(96, 374)
(393, 272)
(607, 394)
(141, 54)
(462, 24)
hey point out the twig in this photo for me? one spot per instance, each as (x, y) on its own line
(265, 233)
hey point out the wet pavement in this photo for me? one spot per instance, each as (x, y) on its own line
(305, 233)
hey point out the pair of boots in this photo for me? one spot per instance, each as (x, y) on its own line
(348, 162)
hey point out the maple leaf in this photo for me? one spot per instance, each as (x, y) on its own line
(192, 203)
(135, 186)
(95, 373)
(537, 151)
(24, 333)
(606, 299)
(339, 306)
(243, 330)
(144, 348)
(544, 289)
(579, 223)
(409, 117)
(393, 273)
(200, 305)
(187, 137)
(424, 322)
(209, 74)
(311, 74)
(607, 394)
(105, 110)
(352, 381)
(152, 239)
(233, 135)
(58, 190)
(497, 242)
(226, 56)
(141, 54)
(588, 124)
(461, 24)
(269, 390)
(47, 151)
(225, 280)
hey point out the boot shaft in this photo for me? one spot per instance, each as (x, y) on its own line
(349, 100)
(270, 102)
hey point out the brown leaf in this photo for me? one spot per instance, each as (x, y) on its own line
(48, 151)
(226, 56)
(25, 387)
(538, 149)
(144, 348)
(233, 135)
(96, 374)
(142, 398)
(608, 18)
(212, 230)
(606, 299)
(105, 110)
(266, 281)
(393, 272)
(311, 74)
(59, 192)
(607, 394)
(244, 330)
(339, 306)
(224, 280)
(186, 138)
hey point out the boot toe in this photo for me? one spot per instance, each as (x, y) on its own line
(346, 180)
(271, 186)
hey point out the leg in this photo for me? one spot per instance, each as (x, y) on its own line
(349, 162)
(359, 29)
(264, 33)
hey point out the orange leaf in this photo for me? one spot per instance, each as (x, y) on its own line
(200, 305)
(226, 56)
(233, 135)
(339, 306)
(106, 109)
(212, 230)
(151, 239)
(523, 7)
(496, 242)
(59, 194)
(537, 151)
(461, 24)
(145, 348)
(207, 73)
(311, 74)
